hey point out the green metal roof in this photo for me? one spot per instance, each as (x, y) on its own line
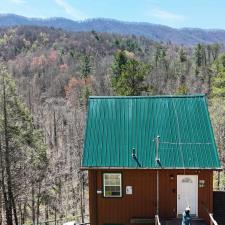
(116, 125)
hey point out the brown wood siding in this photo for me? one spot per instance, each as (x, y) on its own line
(206, 195)
(92, 183)
(168, 192)
(142, 203)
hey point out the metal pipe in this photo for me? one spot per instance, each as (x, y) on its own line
(134, 157)
(157, 174)
(157, 222)
(157, 148)
(157, 195)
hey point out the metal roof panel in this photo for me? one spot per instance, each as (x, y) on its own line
(116, 125)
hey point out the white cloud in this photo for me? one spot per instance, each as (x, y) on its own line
(70, 10)
(18, 1)
(167, 16)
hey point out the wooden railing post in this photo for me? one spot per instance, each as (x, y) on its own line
(157, 222)
(212, 220)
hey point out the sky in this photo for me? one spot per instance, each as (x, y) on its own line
(174, 13)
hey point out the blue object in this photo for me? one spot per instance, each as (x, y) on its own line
(186, 218)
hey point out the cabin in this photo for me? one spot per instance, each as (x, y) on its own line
(149, 157)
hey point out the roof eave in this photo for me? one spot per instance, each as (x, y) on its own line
(148, 168)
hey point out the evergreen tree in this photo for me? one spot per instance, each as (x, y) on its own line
(217, 108)
(85, 73)
(198, 55)
(85, 67)
(182, 55)
(22, 151)
(129, 75)
(120, 60)
(215, 48)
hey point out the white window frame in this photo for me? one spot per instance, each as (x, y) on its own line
(104, 185)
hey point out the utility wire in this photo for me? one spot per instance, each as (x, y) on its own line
(180, 145)
(186, 143)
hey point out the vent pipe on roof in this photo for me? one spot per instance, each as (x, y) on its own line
(157, 150)
(134, 157)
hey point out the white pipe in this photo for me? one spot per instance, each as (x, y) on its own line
(157, 222)
(157, 208)
(212, 219)
(157, 175)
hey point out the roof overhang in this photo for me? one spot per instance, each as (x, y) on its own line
(147, 168)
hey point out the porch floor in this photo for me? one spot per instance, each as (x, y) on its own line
(166, 221)
(178, 221)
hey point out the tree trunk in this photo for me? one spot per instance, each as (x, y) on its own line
(33, 203)
(55, 216)
(1, 206)
(23, 213)
(82, 197)
(5, 197)
(20, 211)
(46, 212)
(1, 189)
(209, 83)
(8, 199)
(218, 180)
(55, 131)
(38, 203)
(14, 209)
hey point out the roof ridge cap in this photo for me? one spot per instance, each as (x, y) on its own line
(150, 96)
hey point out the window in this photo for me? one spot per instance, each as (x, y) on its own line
(186, 180)
(112, 184)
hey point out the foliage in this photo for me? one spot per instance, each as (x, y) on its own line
(219, 80)
(55, 72)
(23, 153)
(85, 67)
(129, 75)
(182, 90)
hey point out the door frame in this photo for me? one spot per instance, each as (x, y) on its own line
(196, 190)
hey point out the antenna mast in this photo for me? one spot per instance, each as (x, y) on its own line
(157, 160)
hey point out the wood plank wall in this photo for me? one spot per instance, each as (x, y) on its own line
(142, 203)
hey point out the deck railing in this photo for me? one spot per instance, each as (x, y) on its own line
(157, 222)
(212, 220)
(64, 220)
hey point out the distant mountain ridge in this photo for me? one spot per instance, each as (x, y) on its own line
(161, 33)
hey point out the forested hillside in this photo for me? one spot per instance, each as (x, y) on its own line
(185, 36)
(56, 71)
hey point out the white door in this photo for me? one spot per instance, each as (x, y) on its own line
(187, 193)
